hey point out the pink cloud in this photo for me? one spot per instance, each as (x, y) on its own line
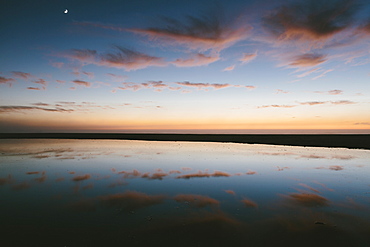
(247, 57)
(308, 60)
(277, 106)
(82, 83)
(230, 68)
(40, 81)
(330, 92)
(197, 59)
(204, 85)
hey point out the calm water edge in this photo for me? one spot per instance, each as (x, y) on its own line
(141, 193)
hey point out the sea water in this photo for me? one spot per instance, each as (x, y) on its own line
(146, 193)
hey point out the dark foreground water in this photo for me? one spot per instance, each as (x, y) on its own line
(139, 193)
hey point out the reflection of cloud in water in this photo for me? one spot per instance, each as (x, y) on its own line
(59, 179)
(31, 173)
(6, 180)
(251, 173)
(336, 168)
(307, 200)
(134, 173)
(309, 187)
(231, 192)
(21, 186)
(157, 175)
(249, 203)
(82, 177)
(197, 201)
(323, 185)
(174, 172)
(186, 168)
(41, 179)
(201, 174)
(84, 205)
(131, 200)
(282, 168)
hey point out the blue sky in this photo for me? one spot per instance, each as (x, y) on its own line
(121, 66)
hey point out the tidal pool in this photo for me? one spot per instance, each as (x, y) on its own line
(146, 193)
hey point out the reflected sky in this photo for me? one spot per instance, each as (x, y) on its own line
(136, 189)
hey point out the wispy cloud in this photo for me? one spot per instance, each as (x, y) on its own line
(308, 60)
(330, 92)
(247, 57)
(202, 33)
(204, 85)
(230, 68)
(197, 59)
(9, 109)
(4, 80)
(339, 102)
(276, 106)
(121, 58)
(362, 123)
(82, 83)
(40, 81)
(21, 75)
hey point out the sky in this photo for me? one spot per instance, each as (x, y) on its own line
(163, 66)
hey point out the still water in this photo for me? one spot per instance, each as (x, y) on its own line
(141, 193)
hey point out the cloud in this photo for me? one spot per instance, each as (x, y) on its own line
(21, 75)
(313, 103)
(342, 102)
(122, 58)
(9, 109)
(197, 201)
(117, 78)
(131, 200)
(310, 19)
(362, 123)
(278, 91)
(330, 92)
(322, 74)
(251, 173)
(276, 106)
(247, 57)
(308, 60)
(40, 81)
(35, 88)
(230, 68)
(206, 32)
(4, 80)
(81, 178)
(308, 72)
(197, 59)
(204, 85)
(82, 83)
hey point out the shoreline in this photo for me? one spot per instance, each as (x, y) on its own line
(352, 141)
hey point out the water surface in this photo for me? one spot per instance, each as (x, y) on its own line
(140, 193)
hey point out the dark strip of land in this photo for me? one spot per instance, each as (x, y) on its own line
(358, 141)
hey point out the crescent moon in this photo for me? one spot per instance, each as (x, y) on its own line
(65, 11)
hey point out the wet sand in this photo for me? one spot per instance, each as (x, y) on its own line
(357, 141)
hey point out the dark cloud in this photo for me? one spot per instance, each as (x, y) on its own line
(311, 19)
(6, 109)
(205, 32)
(197, 201)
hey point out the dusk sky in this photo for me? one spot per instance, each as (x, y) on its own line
(185, 66)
